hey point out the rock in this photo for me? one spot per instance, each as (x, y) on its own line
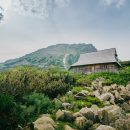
(109, 114)
(117, 96)
(95, 109)
(125, 95)
(106, 89)
(95, 126)
(44, 123)
(67, 127)
(77, 114)
(88, 113)
(82, 123)
(126, 107)
(122, 124)
(114, 86)
(107, 97)
(66, 106)
(96, 93)
(70, 93)
(105, 127)
(64, 115)
(59, 115)
(80, 95)
(128, 87)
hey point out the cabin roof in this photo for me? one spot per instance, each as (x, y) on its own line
(102, 56)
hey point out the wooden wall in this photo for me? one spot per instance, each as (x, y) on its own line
(110, 67)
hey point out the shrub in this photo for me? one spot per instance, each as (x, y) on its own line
(8, 115)
(37, 103)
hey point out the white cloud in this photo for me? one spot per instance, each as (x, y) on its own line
(40, 8)
(116, 3)
(62, 3)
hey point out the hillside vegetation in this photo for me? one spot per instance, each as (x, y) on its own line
(27, 92)
(60, 55)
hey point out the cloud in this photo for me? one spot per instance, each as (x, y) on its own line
(1, 13)
(40, 8)
(116, 3)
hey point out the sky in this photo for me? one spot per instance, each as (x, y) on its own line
(28, 25)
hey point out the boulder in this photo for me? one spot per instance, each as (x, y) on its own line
(126, 107)
(107, 97)
(105, 127)
(63, 115)
(67, 127)
(128, 87)
(122, 124)
(109, 114)
(95, 109)
(88, 113)
(80, 95)
(95, 126)
(117, 96)
(106, 89)
(96, 93)
(82, 123)
(114, 86)
(60, 115)
(77, 114)
(44, 123)
(66, 106)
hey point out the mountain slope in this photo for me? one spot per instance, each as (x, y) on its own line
(60, 55)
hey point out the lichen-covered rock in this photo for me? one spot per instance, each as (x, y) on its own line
(80, 95)
(66, 105)
(82, 123)
(63, 115)
(88, 113)
(108, 97)
(109, 114)
(105, 127)
(67, 127)
(44, 123)
(122, 124)
(77, 114)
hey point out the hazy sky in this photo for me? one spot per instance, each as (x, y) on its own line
(28, 25)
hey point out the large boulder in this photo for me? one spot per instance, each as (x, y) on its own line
(44, 123)
(109, 114)
(88, 113)
(82, 123)
(108, 97)
(122, 124)
(105, 127)
(64, 115)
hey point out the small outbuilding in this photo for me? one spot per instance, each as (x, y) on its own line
(100, 61)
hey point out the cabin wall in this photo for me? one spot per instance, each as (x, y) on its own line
(110, 67)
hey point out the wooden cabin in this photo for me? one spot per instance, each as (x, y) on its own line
(100, 61)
